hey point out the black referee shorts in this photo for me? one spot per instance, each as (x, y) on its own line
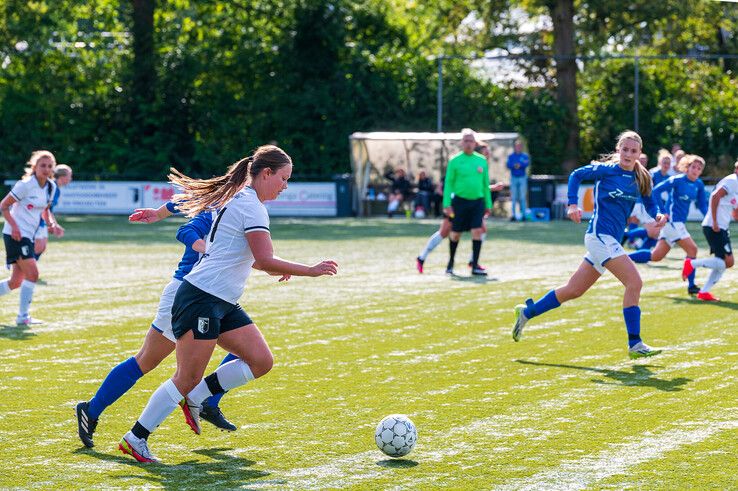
(468, 214)
(719, 242)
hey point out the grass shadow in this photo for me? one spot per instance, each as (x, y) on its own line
(397, 463)
(693, 301)
(639, 376)
(473, 279)
(16, 333)
(222, 472)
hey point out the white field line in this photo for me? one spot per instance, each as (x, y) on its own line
(588, 471)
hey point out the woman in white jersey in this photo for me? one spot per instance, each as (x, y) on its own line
(205, 309)
(23, 208)
(722, 204)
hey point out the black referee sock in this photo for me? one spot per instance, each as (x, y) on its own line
(476, 249)
(452, 252)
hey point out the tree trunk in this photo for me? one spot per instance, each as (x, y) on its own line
(143, 69)
(562, 15)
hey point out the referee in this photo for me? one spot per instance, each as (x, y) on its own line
(466, 198)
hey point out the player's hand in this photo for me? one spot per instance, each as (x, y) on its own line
(57, 230)
(497, 187)
(144, 215)
(735, 214)
(715, 228)
(487, 212)
(449, 211)
(284, 277)
(574, 213)
(661, 220)
(15, 233)
(324, 268)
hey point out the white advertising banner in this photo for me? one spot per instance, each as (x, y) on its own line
(122, 197)
(305, 199)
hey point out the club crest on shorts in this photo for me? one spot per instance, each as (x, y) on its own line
(203, 324)
(25, 250)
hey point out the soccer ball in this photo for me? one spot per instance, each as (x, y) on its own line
(396, 435)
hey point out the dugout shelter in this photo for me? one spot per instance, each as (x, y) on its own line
(374, 153)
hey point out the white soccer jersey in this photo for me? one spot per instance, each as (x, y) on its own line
(226, 264)
(31, 201)
(726, 204)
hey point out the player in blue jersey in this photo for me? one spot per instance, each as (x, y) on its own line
(681, 191)
(159, 341)
(205, 311)
(62, 177)
(619, 181)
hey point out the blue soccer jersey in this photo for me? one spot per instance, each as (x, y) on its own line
(188, 234)
(681, 193)
(615, 194)
(658, 177)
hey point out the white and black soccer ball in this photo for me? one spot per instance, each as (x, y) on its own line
(396, 435)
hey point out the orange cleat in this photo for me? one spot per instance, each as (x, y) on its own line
(707, 297)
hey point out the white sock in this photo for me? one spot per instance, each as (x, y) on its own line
(163, 401)
(713, 278)
(26, 296)
(709, 262)
(230, 375)
(393, 206)
(433, 242)
(4, 287)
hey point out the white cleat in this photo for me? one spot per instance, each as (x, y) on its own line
(27, 321)
(642, 350)
(520, 320)
(138, 448)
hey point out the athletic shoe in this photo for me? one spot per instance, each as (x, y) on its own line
(137, 447)
(520, 320)
(214, 416)
(471, 265)
(707, 297)
(642, 350)
(419, 264)
(85, 424)
(27, 321)
(693, 290)
(192, 414)
(687, 269)
(449, 271)
(479, 271)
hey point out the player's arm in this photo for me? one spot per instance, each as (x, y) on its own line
(664, 186)
(50, 219)
(448, 188)
(153, 215)
(590, 171)
(485, 189)
(260, 243)
(714, 203)
(193, 233)
(701, 200)
(5, 205)
(650, 206)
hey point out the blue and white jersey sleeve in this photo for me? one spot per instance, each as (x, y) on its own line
(172, 207)
(649, 203)
(701, 201)
(591, 172)
(663, 189)
(197, 228)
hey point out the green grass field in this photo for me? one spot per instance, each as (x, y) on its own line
(563, 409)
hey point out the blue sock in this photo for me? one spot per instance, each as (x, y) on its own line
(640, 256)
(649, 243)
(637, 233)
(119, 380)
(214, 401)
(632, 317)
(691, 275)
(548, 302)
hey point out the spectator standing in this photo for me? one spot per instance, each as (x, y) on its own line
(518, 163)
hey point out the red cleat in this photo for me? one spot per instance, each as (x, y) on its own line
(707, 297)
(191, 414)
(687, 269)
(419, 264)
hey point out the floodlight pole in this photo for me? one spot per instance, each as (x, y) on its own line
(439, 96)
(635, 92)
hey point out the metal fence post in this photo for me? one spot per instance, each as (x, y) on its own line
(439, 96)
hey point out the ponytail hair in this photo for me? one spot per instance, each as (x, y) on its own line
(33, 160)
(642, 176)
(201, 194)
